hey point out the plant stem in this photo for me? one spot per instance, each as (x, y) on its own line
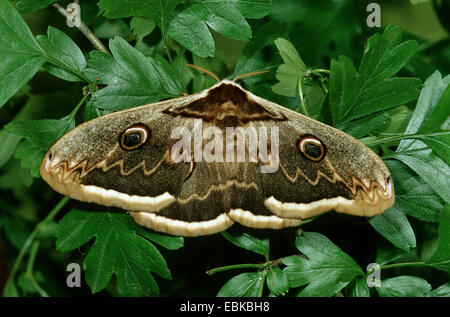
(77, 107)
(302, 100)
(85, 30)
(33, 235)
(405, 136)
(29, 270)
(235, 266)
(261, 284)
(404, 264)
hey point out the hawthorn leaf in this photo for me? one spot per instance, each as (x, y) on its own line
(157, 11)
(66, 58)
(20, 53)
(413, 196)
(441, 257)
(395, 227)
(248, 242)
(325, 270)
(276, 281)
(24, 6)
(289, 73)
(132, 79)
(404, 286)
(189, 25)
(442, 291)
(355, 94)
(414, 152)
(242, 285)
(118, 249)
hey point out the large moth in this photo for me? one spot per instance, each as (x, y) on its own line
(196, 164)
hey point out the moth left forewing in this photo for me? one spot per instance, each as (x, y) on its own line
(89, 164)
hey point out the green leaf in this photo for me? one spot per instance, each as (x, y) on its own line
(363, 126)
(434, 123)
(66, 59)
(42, 133)
(141, 27)
(442, 291)
(358, 288)
(356, 94)
(441, 257)
(9, 143)
(31, 156)
(20, 54)
(415, 153)
(251, 58)
(395, 227)
(33, 5)
(248, 242)
(330, 27)
(131, 78)
(289, 73)
(326, 270)
(189, 25)
(157, 11)
(242, 285)
(118, 249)
(15, 229)
(276, 280)
(413, 196)
(404, 286)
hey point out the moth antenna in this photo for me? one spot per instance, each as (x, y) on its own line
(204, 71)
(250, 74)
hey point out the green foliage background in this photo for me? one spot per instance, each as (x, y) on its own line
(388, 87)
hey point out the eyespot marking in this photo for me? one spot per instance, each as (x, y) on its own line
(134, 137)
(311, 148)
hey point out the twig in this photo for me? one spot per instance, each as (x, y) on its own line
(85, 30)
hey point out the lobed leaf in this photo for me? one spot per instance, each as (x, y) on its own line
(242, 285)
(356, 94)
(326, 270)
(395, 227)
(441, 257)
(119, 249)
(248, 242)
(415, 153)
(404, 286)
(132, 79)
(276, 280)
(20, 53)
(189, 25)
(66, 59)
(413, 196)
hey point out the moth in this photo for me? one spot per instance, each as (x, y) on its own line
(196, 164)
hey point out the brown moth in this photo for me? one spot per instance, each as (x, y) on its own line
(139, 160)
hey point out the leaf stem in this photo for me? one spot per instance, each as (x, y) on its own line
(29, 270)
(77, 107)
(85, 30)
(404, 264)
(261, 284)
(405, 136)
(302, 100)
(235, 266)
(33, 235)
